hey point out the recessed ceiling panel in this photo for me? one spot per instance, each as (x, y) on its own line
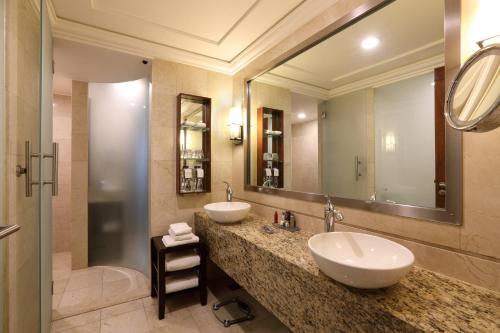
(219, 29)
(209, 20)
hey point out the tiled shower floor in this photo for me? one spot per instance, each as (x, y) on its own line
(92, 288)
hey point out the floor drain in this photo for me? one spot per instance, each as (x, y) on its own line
(232, 311)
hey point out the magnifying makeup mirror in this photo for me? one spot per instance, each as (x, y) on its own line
(473, 102)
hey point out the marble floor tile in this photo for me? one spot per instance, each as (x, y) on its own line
(60, 285)
(85, 280)
(81, 297)
(119, 309)
(130, 322)
(56, 300)
(94, 327)
(75, 321)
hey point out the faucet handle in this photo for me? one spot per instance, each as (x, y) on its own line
(339, 217)
(329, 202)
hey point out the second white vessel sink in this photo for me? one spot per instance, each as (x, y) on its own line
(227, 212)
(360, 260)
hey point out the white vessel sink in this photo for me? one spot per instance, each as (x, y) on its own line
(227, 212)
(360, 260)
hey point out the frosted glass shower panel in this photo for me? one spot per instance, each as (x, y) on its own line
(118, 174)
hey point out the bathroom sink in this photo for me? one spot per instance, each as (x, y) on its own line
(227, 212)
(360, 260)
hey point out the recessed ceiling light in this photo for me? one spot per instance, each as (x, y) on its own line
(301, 115)
(370, 43)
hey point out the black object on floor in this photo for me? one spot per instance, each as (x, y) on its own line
(237, 312)
(159, 272)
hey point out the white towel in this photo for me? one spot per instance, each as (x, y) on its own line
(180, 229)
(180, 237)
(181, 260)
(180, 281)
(200, 125)
(188, 123)
(169, 241)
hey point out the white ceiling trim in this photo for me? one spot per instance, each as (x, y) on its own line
(82, 33)
(401, 73)
(93, 36)
(388, 61)
(294, 86)
(106, 10)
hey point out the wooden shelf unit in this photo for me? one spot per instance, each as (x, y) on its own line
(264, 114)
(181, 162)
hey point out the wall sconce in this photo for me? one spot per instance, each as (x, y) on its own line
(235, 126)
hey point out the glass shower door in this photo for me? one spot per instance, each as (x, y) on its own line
(118, 174)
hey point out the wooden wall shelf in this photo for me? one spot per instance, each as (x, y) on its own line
(193, 144)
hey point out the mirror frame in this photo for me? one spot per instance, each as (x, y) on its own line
(452, 213)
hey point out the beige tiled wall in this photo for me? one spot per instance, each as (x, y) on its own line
(470, 252)
(79, 175)
(168, 80)
(22, 105)
(304, 160)
(61, 204)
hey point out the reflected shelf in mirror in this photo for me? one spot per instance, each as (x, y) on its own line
(195, 128)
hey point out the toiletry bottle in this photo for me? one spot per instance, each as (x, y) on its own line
(275, 217)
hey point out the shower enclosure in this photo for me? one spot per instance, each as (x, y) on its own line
(118, 174)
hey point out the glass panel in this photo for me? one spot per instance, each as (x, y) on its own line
(3, 183)
(118, 174)
(46, 165)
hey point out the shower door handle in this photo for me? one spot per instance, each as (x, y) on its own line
(28, 169)
(357, 162)
(7, 230)
(55, 169)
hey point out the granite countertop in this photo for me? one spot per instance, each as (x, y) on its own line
(278, 270)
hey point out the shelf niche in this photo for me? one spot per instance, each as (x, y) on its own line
(193, 144)
(270, 126)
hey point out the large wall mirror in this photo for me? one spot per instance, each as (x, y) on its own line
(360, 116)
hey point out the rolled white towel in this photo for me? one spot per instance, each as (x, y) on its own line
(179, 237)
(181, 260)
(169, 241)
(180, 229)
(180, 281)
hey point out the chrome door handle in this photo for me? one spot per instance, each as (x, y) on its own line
(28, 169)
(55, 169)
(357, 162)
(7, 230)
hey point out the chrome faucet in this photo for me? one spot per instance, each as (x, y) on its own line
(229, 192)
(332, 215)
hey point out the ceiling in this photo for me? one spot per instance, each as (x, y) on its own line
(221, 35)
(411, 40)
(82, 62)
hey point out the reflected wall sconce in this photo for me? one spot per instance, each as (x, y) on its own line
(235, 125)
